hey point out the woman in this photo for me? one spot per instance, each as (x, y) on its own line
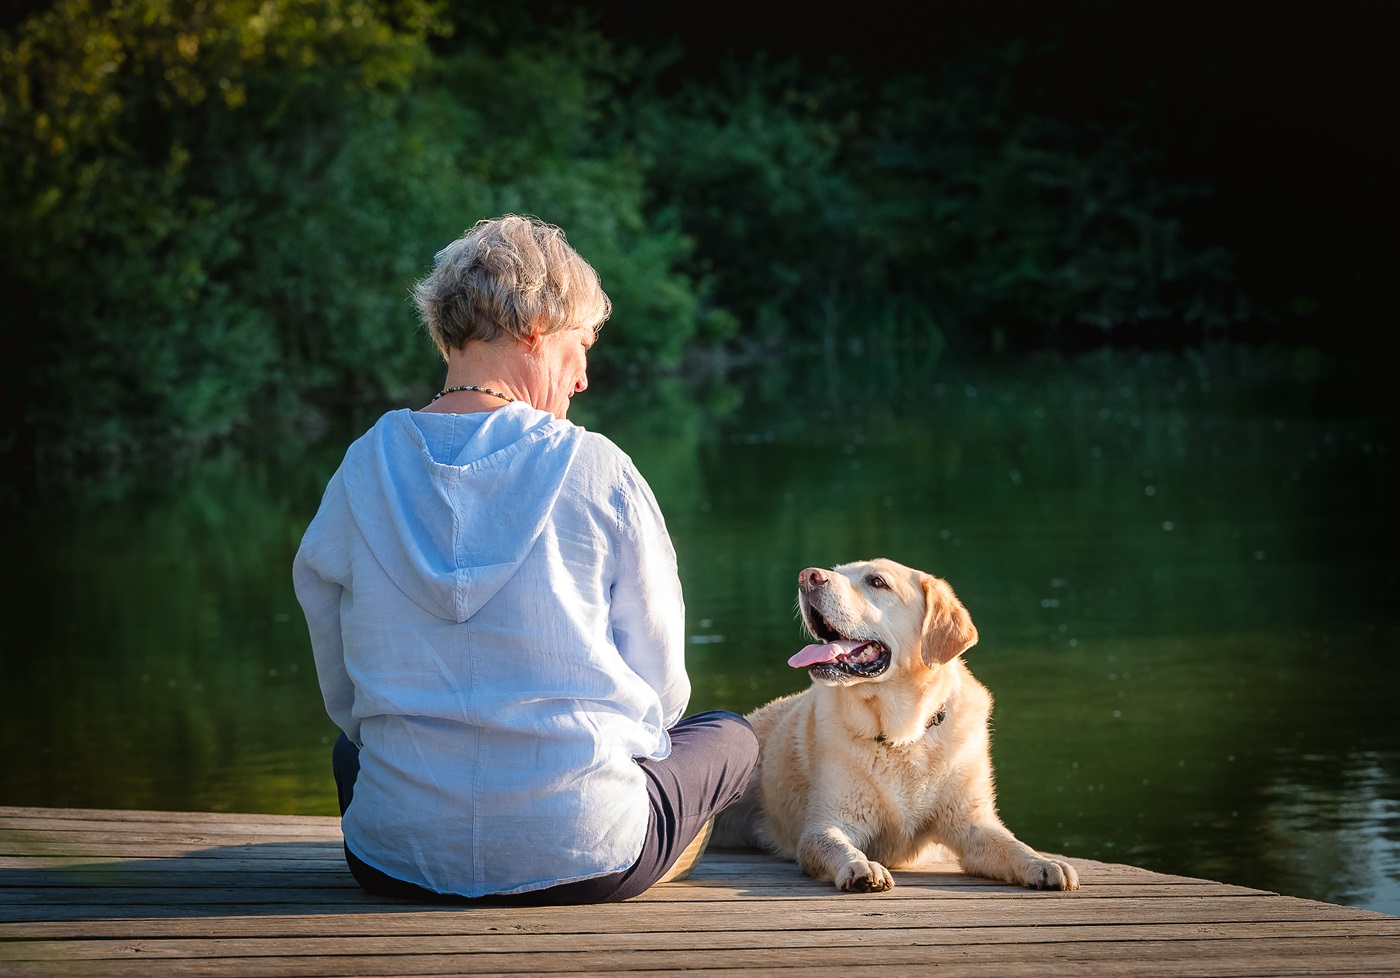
(496, 616)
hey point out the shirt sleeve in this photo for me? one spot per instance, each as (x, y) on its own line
(320, 591)
(648, 610)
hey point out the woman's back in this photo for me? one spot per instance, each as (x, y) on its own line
(514, 640)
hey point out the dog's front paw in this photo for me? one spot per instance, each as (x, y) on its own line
(1050, 874)
(862, 876)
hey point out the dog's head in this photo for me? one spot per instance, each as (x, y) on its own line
(871, 615)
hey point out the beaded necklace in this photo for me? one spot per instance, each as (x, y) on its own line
(473, 387)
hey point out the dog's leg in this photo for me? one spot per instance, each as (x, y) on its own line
(827, 853)
(989, 849)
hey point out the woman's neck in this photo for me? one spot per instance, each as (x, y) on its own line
(480, 377)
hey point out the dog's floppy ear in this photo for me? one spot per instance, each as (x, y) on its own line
(948, 628)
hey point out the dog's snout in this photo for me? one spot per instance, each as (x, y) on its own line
(811, 578)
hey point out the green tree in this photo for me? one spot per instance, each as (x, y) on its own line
(146, 143)
(218, 208)
(827, 207)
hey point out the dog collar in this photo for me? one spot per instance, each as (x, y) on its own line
(933, 721)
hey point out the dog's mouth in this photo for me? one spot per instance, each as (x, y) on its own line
(834, 658)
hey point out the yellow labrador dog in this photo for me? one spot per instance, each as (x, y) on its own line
(886, 755)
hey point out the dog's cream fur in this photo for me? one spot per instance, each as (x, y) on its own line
(853, 777)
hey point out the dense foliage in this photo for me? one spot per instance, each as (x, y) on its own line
(212, 211)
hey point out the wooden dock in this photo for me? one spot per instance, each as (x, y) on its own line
(111, 893)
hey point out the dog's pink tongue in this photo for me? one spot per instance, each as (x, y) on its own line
(827, 652)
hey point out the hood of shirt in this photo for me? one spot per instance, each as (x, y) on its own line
(451, 504)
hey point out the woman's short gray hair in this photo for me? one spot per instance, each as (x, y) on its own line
(513, 275)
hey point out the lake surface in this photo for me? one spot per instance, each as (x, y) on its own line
(1182, 568)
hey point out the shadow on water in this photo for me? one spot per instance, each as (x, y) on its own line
(1181, 565)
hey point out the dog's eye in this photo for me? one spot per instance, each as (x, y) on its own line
(875, 580)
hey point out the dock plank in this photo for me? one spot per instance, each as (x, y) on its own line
(112, 893)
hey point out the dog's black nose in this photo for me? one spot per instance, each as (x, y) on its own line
(811, 578)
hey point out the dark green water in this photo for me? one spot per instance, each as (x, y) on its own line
(1182, 569)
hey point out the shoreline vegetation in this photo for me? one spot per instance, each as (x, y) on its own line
(212, 213)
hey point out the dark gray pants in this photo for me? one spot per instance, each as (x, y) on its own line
(712, 756)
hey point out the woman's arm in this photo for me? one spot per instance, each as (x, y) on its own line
(648, 610)
(320, 593)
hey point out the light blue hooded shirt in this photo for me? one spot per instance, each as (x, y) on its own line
(497, 620)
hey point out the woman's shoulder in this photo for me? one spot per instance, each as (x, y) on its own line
(601, 448)
(607, 470)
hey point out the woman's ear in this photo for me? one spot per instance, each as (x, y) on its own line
(948, 628)
(533, 336)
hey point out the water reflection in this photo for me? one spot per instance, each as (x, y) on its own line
(1338, 823)
(1181, 568)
